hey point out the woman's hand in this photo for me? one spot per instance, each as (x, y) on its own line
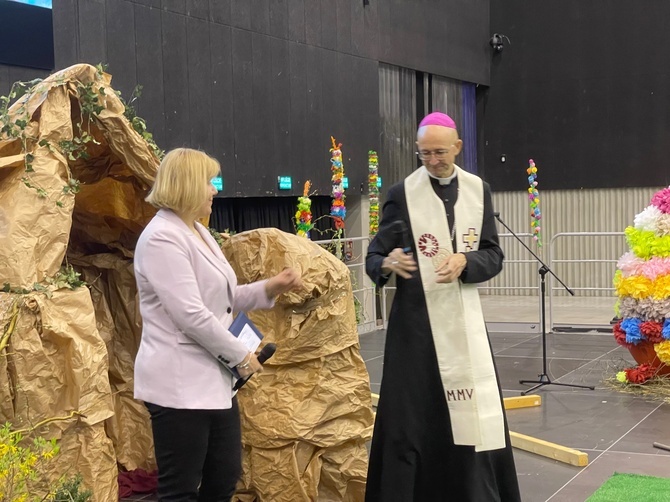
(249, 366)
(286, 280)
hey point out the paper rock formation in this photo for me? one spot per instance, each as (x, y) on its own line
(72, 350)
(307, 417)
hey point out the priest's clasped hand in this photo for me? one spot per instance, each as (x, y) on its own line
(451, 268)
(401, 263)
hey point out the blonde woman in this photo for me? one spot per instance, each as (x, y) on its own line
(188, 293)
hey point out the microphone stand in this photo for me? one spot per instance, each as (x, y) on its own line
(543, 378)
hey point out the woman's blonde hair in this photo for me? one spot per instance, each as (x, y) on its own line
(182, 180)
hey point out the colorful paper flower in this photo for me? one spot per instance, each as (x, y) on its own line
(534, 202)
(303, 216)
(661, 200)
(663, 351)
(640, 374)
(338, 210)
(373, 192)
(642, 283)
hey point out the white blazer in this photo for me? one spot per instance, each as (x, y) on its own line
(187, 297)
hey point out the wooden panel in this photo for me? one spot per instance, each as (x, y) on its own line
(279, 18)
(197, 8)
(296, 20)
(260, 16)
(513, 403)
(447, 38)
(342, 12)
(150, 71)
(223, 138)
(175, 80)
(66, 33)
(280, 84)
(254, 179)
(242, 105)
(199, 87)
(240, 13)
(5, 84)
(316, 141)
(121, 50)
(358, 28)
(372, 31)
(298, 100)
(178, 6)
(149, 3)
(549, 450)
(219, 11)
(92, 39)
(313, 22)
(329, 25)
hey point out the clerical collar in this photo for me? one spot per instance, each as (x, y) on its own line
(444, 181)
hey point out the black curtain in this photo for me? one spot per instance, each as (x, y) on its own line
(248, 213)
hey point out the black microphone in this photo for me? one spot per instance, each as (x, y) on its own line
(266, 353)
(402, 231)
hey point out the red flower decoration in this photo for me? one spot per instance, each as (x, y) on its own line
(652, 330)
(640, 374)
(620, 335)
(339, 224)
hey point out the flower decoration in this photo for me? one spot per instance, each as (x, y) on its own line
(642, 283)
(338, 210)
(303, 216)
(534, 200)
(373, 192)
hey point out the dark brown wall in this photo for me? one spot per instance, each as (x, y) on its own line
(263, 84)
(583, 89)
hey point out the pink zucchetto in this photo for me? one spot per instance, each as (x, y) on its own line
(438, 119)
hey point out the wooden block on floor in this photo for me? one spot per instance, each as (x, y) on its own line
(549, 450)
(512, 403)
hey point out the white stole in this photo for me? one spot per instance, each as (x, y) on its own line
(454, 310)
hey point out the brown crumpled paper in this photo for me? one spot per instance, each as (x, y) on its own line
(307, 417)
(75, 351)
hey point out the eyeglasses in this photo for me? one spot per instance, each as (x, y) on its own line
(427, 154)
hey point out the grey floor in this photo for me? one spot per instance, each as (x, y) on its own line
(616, 430)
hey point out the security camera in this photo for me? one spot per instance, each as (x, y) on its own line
(497, 41)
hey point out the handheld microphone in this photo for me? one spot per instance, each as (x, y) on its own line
(266, 353)
(402, 231)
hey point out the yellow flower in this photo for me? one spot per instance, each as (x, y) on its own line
(663, 351)
(621, 377)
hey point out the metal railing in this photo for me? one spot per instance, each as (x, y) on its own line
(553, 261)
(482, 287)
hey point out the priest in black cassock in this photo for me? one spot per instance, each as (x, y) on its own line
(440, 432)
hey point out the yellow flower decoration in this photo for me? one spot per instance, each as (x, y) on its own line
(621, 377)
(663, 351)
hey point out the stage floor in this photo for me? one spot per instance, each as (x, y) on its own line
(615, 429)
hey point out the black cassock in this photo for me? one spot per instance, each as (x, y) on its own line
(413, 457)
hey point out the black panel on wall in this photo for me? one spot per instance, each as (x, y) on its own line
(26, 35)
(583, 89)
(263, 84)
(443, 37)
